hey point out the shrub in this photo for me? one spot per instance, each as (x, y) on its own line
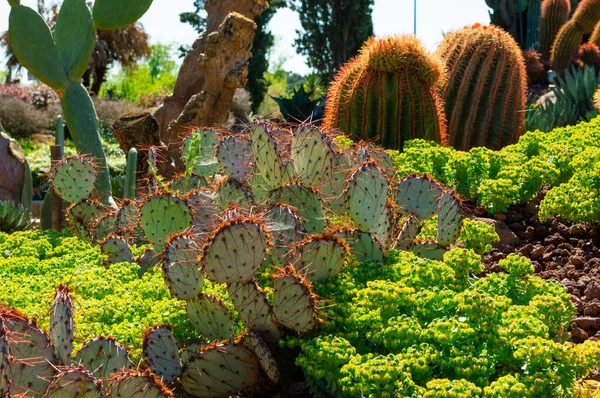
(21, 119)
(419, 327)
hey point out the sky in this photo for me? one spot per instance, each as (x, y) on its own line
(389, 17)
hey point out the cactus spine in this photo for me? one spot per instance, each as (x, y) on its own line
(555, 14)
(60, 61)
(584, 20)
(486, 89)
(388, 91)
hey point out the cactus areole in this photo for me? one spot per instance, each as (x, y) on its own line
(388, 92)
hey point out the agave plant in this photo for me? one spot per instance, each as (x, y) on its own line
(14, 217)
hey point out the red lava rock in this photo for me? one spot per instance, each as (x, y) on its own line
(593, 290)
(552, 265)
(588, 322)
(537, 252)
(592, 308)
(537, 267)
(579, 335)
(530, 233)
(526, 250)
(577, 230)
(577, 261)
(501, 217)
(554, 239)
(541, 232)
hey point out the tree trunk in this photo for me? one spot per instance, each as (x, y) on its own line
(12, 170)
(213, 69)
(99, 74)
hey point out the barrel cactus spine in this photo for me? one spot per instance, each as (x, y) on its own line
(372, 95)
(555, 14)
(486, 89)
(566, 44)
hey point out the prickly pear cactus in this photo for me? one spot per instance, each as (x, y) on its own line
(367, 196)
(84, 216)
(429, 250)
(312, 154)
(4, 362)
(369, 153)
(128, 216)
(188, 352)
(163, 215)
(105, 226)
(116, 251)
(199, 153)
(235, 251)
(319, 257)
(220, 371)
(103, 357)
(235, 157)
(286, 228)
(74, 382)
(136, 384)
(335, 183)
(61, 331)
(210, 317)
(73, 178)
(32, 357)
(408, 233)
(267, 360)
(268, 161)
(162, 354)
(184, 184)
(181, 267)
(293, 303)
(232, 192)
(204, 210)
(449, 220)
(418, 195)
(253, 307)
(363, 246)
(308, 203)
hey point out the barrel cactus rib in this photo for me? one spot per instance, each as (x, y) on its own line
(555, 14)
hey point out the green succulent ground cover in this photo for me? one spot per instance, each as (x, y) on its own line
(567, 159)
(422, 328)
(109, 302)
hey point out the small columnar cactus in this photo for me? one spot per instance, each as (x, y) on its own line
(389, 92)
(62, 330)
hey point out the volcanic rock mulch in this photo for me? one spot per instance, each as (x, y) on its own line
(569, 254)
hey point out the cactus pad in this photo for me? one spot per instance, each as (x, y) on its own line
(220, 371)
(204, 210)
(163, 215)
(128, 216)
(286, 228)
(408, 233)
(293, 303)
(363, 246)
(308, 203)
(73, 382)
(138, 385)
(162, 354)
(267, 361)
(369, 153)
(4, 363)
(429, 250)
(103, 357)
(235, 157)
(232, 192)
(181, 267)
(182, 184)
(116, 250)
(319, 257)
(200, 147)
(188, 352)
(335, 183)
(84, 216)
(268, 161)
(105, 226)
(449, 220)
(73, 178)
(252, 305)
(235, 251)
(418, 195)
(61, 331)
(210, 317)
(312, 154)
(32, 356)
(367, 196)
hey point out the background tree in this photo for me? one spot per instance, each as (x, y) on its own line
(334, 31)
(263, 41)
(123, 46)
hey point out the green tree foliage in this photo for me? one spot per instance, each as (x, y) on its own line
(263, 40)
(334, 31)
